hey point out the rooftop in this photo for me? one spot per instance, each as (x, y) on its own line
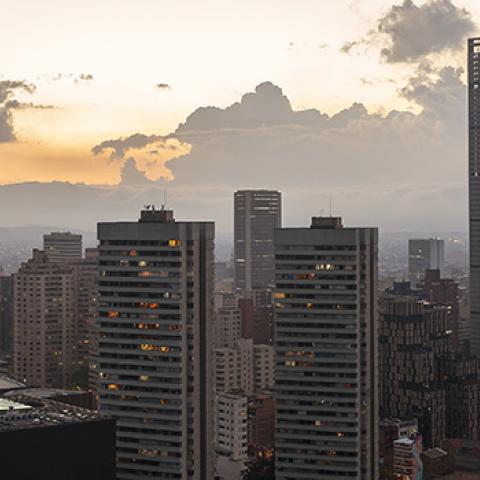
(435, 453)
(24, 412)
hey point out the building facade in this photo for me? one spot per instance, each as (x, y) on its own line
(256, 214)
(474, 187)
(6, 313)
(155, 321)
(44, 335)
(231, 437)
(63, 246)
(325, 352)
(227, 327)
(424, 254)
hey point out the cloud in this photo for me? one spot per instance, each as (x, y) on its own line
(8, 88)
(441, 94)
(121, 145)
(83, 78)
(6, 126)
(163, 86)
(16, 105)
(397, 170)
(408, 32)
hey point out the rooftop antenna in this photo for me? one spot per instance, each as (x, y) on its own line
(164, 193)
(331, 202)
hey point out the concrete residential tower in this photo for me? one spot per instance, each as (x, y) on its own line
(257, 213)
(474, 187)
(63, 246)
(326, 352)
(155, 319)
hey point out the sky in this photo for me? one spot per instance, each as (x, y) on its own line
(361, 101)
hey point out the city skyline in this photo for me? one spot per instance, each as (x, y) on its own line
(395, 70)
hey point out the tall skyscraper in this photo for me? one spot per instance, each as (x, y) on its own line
(326, 352)
(413, 338)
(257, 213)
(43, 318)
(424, 254)
(62, 246)
(474, 187)
(155, 318)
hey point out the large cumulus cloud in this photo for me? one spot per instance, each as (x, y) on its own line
(407, 32)
(398, 170)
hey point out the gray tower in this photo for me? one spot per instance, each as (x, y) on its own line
(155, 317)
(474, 187)
(257, 213)
(326, 361)
(424, 254)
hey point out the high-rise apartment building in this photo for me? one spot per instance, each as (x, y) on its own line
(474, 187)
(231, 425)
(155, 319)
(264, 366)
(44, 324)
(245, 367)
(256, 214)
(63, 246)
(326, 352)
(413, 338)
(235, 368)
(85, 278)
(6, 313)
(424, 254)
(227, 327)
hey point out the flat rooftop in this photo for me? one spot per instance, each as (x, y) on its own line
(20, 412)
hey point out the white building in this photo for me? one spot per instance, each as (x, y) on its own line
(231, 436)
(245, 367)
(231, 425)
(264, 365)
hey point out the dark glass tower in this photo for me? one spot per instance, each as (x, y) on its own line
(474, 187)
(257, 214)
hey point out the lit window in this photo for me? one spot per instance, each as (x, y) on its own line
(174, 243)
(113, 386)
(142, 263)
(279, 295)
(147, 347)
(144, 378)
(113, 314)
(132, 253)
(164, 349)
